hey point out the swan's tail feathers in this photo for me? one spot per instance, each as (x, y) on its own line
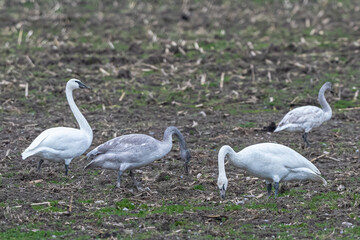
(26, 154)
(278, 128)
(306, 173)
(323, 181)
(316, 177)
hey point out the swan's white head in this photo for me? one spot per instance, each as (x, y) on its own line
(75, 83)
(222, 185)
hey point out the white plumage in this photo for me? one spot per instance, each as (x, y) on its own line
(63, 143)
(272, 162)
(132, 151)
(307, 117)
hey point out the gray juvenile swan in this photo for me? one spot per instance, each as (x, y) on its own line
(133, 151)
(307, 117)
(63, 143)
(272, 162)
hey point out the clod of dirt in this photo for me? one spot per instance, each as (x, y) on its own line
(155, 59)
(105, 182)
(27, 176)
(135, 48)
(107, 235)
(3, 197)
(185, 15)
(124, 73)
(163, 176)
(270, 128)
(91, 61)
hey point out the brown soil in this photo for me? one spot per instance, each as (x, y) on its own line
(162, 88)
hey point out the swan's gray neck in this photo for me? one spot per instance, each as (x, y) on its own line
(168, 138)
(324, 104)
(83, 124)
(226, 150)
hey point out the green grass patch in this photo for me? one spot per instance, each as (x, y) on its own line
(18, 233)
(199, 187)
(328, 199)
(344, 104)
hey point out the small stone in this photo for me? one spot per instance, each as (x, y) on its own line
(124, 73)
(99, 202)
(125, 209)
(347, 224)
(128, 231)
(341, 188)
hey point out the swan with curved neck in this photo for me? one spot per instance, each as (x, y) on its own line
(63, 143)
(133, 151)
(307, 117)
(272, 162)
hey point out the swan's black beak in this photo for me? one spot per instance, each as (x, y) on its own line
(222, 194)
(186, 168)
(81, 85)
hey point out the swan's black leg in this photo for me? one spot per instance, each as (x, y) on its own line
(119, 178)
(66, 169)
(305, 139)
(136, 183)
(269, 188)
(276, 186)
(39, 164)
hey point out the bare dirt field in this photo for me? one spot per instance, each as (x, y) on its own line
(222, 72)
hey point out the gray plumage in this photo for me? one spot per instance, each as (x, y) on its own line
(133, 151)
(303, 119)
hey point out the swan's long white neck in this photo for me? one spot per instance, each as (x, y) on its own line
(226, 150)
(83, 124)
(324, 104)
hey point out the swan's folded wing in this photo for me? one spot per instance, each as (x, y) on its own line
(38, 140)
(62, 138)
(301, 115)
(127, 143)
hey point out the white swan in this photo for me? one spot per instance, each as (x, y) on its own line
(270, 161)
(135, 150)
(63, 143)
(307, 117)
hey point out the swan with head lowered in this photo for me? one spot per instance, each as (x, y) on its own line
(63, 144)
(307, 117)
(133, 151)
(272, 162)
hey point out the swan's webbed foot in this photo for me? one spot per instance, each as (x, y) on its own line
(276, 186)
(136, 183)
(66, 169)
(39, 165)
(269, 188)
(304, 136)
(119, 179)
